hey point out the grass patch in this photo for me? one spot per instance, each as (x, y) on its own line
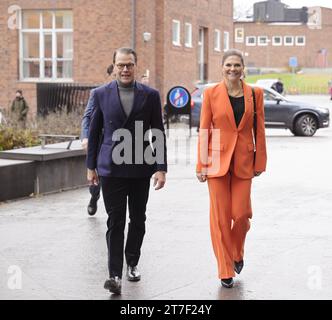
(298, 83)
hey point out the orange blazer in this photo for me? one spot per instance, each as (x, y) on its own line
(220, 140)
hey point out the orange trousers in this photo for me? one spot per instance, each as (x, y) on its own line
(230, 211)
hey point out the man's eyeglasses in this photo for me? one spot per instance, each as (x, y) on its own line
(129, 66)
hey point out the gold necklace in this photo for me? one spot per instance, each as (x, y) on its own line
(236, 94)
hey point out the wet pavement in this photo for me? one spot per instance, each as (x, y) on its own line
(60, 252)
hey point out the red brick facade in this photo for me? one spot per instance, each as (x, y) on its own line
(101, 26)
(316, 53)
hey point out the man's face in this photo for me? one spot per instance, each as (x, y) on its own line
(125, 68)
(18, 95)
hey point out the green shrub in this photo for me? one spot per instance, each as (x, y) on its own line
(13, 138)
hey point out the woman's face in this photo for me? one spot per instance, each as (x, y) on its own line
(232, 69)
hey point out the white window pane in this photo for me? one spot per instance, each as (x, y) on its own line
(63, 20)
(64, 69)
(48, 46)
(31, 69)
(226, 41)
(30, 45)
(31, 20)
(65, 45)
(176, 32)
(188, 35)
(217, 39)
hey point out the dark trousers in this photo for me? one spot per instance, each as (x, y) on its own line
(116, 192)
(94, 191)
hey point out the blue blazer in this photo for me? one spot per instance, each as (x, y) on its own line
(108, 116)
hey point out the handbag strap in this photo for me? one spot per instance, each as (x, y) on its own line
(255, 114)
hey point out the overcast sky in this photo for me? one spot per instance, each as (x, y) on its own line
(245, 5)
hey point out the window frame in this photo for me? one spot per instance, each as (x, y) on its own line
(41, 60)
(176, 42)
(300, 44)
(226, 36)
(239, 39)
(217, 40)
(277, 44)
(289, 44)
(251, 44)
(188, 44)
(259, 43)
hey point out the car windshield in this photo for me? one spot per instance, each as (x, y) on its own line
(270, 94)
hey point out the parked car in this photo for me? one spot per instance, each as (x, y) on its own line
(302, 119)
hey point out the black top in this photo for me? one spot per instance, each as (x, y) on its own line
(238, 108)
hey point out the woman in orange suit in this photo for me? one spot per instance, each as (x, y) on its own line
(231, 151)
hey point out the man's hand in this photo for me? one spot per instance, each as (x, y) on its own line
(92, 177)
(201, 176)
(159, 180)
(85, 144)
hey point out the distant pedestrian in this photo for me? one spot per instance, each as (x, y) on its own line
(278, 86)
(145, 79)
(330, 88)
(20, 109)
(94, 189)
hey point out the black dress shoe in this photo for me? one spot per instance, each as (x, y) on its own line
(113, 284)
(227, 283)
(92, 206)
(238, 266)
(133, 274)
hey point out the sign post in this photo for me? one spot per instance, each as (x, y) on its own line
(293, 64)
(178, 102)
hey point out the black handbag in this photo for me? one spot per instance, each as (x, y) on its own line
(255, 119)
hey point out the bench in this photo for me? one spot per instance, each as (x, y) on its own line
(44, 137)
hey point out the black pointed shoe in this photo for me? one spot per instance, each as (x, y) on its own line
(227, 283)
(238, 266)
(113, 284)
(133, 274)
(92, 206)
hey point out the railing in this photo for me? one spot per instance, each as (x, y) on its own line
(53, 97)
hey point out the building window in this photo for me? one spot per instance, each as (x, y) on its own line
(289, 40)
(188, 35)
(276, 41)
(262, 41)
(176, 33)
(226, 40)
(300, 40)
(250, 41)
(217, 40)
(46, 45)
(239, 35)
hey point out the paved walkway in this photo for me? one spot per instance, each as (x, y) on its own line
(61, 251)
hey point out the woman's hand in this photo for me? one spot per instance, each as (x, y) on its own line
(201, 176)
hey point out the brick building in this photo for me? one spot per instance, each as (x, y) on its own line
(178, 42)
(271, 45)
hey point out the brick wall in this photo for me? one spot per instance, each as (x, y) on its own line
(278, 56)
(101, 26)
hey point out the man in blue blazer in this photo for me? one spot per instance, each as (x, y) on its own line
(133, 148)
